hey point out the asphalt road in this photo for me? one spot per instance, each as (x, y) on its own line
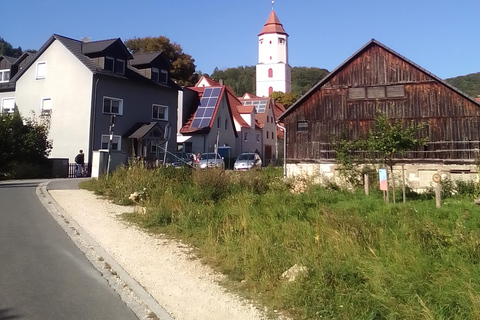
(43, 274)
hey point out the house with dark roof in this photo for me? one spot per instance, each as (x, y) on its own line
(213, 119)
(9, 66)
(97, 92)
(378, 79)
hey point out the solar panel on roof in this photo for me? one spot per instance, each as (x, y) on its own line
(260, 105)
(205, 110)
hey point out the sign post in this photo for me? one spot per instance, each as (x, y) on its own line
(382, 174)
(438, 190)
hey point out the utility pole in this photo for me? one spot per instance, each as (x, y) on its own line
(110, 142)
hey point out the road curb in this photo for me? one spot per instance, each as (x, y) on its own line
(130, 291)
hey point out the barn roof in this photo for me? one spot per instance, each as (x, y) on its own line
(368, 45)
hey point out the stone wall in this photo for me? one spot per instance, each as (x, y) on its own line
(417, 176)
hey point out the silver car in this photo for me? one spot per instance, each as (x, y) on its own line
(248, 161)
(211, 160)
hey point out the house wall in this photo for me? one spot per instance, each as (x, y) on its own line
(225, 136)
(138, 99)
(270, 139)
(68, 83)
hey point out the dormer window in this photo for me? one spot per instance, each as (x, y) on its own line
(163, 76)
(4, 75)
(109, 63)
(120, 66)
(114, 65)
(155, 74)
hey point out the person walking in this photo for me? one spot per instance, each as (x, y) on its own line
(80, 164)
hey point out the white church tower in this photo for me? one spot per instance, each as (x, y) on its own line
(273, 70)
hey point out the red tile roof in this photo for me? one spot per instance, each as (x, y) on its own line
(273, 25)
(233, 103)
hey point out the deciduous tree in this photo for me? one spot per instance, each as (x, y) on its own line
(183, 64)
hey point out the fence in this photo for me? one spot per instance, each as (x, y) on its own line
(72, 167)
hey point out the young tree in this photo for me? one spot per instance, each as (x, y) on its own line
(386, 141)
(22, 142)
(183, 64)
(391, 140)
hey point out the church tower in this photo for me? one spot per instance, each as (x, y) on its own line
(273, 71)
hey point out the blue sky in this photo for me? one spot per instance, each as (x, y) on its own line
(442, 36)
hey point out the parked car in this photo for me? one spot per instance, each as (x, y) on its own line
(248, 161)
(211, 160)
(181, 159)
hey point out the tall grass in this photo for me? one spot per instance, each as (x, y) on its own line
(365, 259)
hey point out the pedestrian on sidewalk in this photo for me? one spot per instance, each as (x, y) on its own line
(80, 164)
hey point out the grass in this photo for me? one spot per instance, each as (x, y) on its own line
(365, 259)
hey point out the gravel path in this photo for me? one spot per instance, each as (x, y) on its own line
(186, 288)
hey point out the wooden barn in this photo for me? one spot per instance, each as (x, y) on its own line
(378, 79)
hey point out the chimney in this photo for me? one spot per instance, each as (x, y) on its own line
(221, 82)
(86, 39)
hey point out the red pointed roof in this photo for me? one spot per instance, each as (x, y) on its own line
(273, 25)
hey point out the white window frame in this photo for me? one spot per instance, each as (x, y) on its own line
(106, 139)
(41, 70)
(165, 114)
(4, 75)
(4, 108)
(46, 106)
(120, 106)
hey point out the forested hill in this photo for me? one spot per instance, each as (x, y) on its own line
(470, 84)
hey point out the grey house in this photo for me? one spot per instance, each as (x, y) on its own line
(85, 86)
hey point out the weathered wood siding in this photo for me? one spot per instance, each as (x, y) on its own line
(377, 80)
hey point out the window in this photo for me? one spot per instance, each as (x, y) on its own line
(267, 134)
(302, 126)
(281, 40)
(270, 73)
(8, 105)
(4, 75)
(226, 124)
(258, 137)
(396, 91)
(159, 112)
(109, 63)
(46, 107)
(163, 76)
(375, 92)
(155, 74)
(120, 66)
(41, 70)
(270, 90)
(219, 121)
(112, 105)
(245, 136)
(116, 142)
